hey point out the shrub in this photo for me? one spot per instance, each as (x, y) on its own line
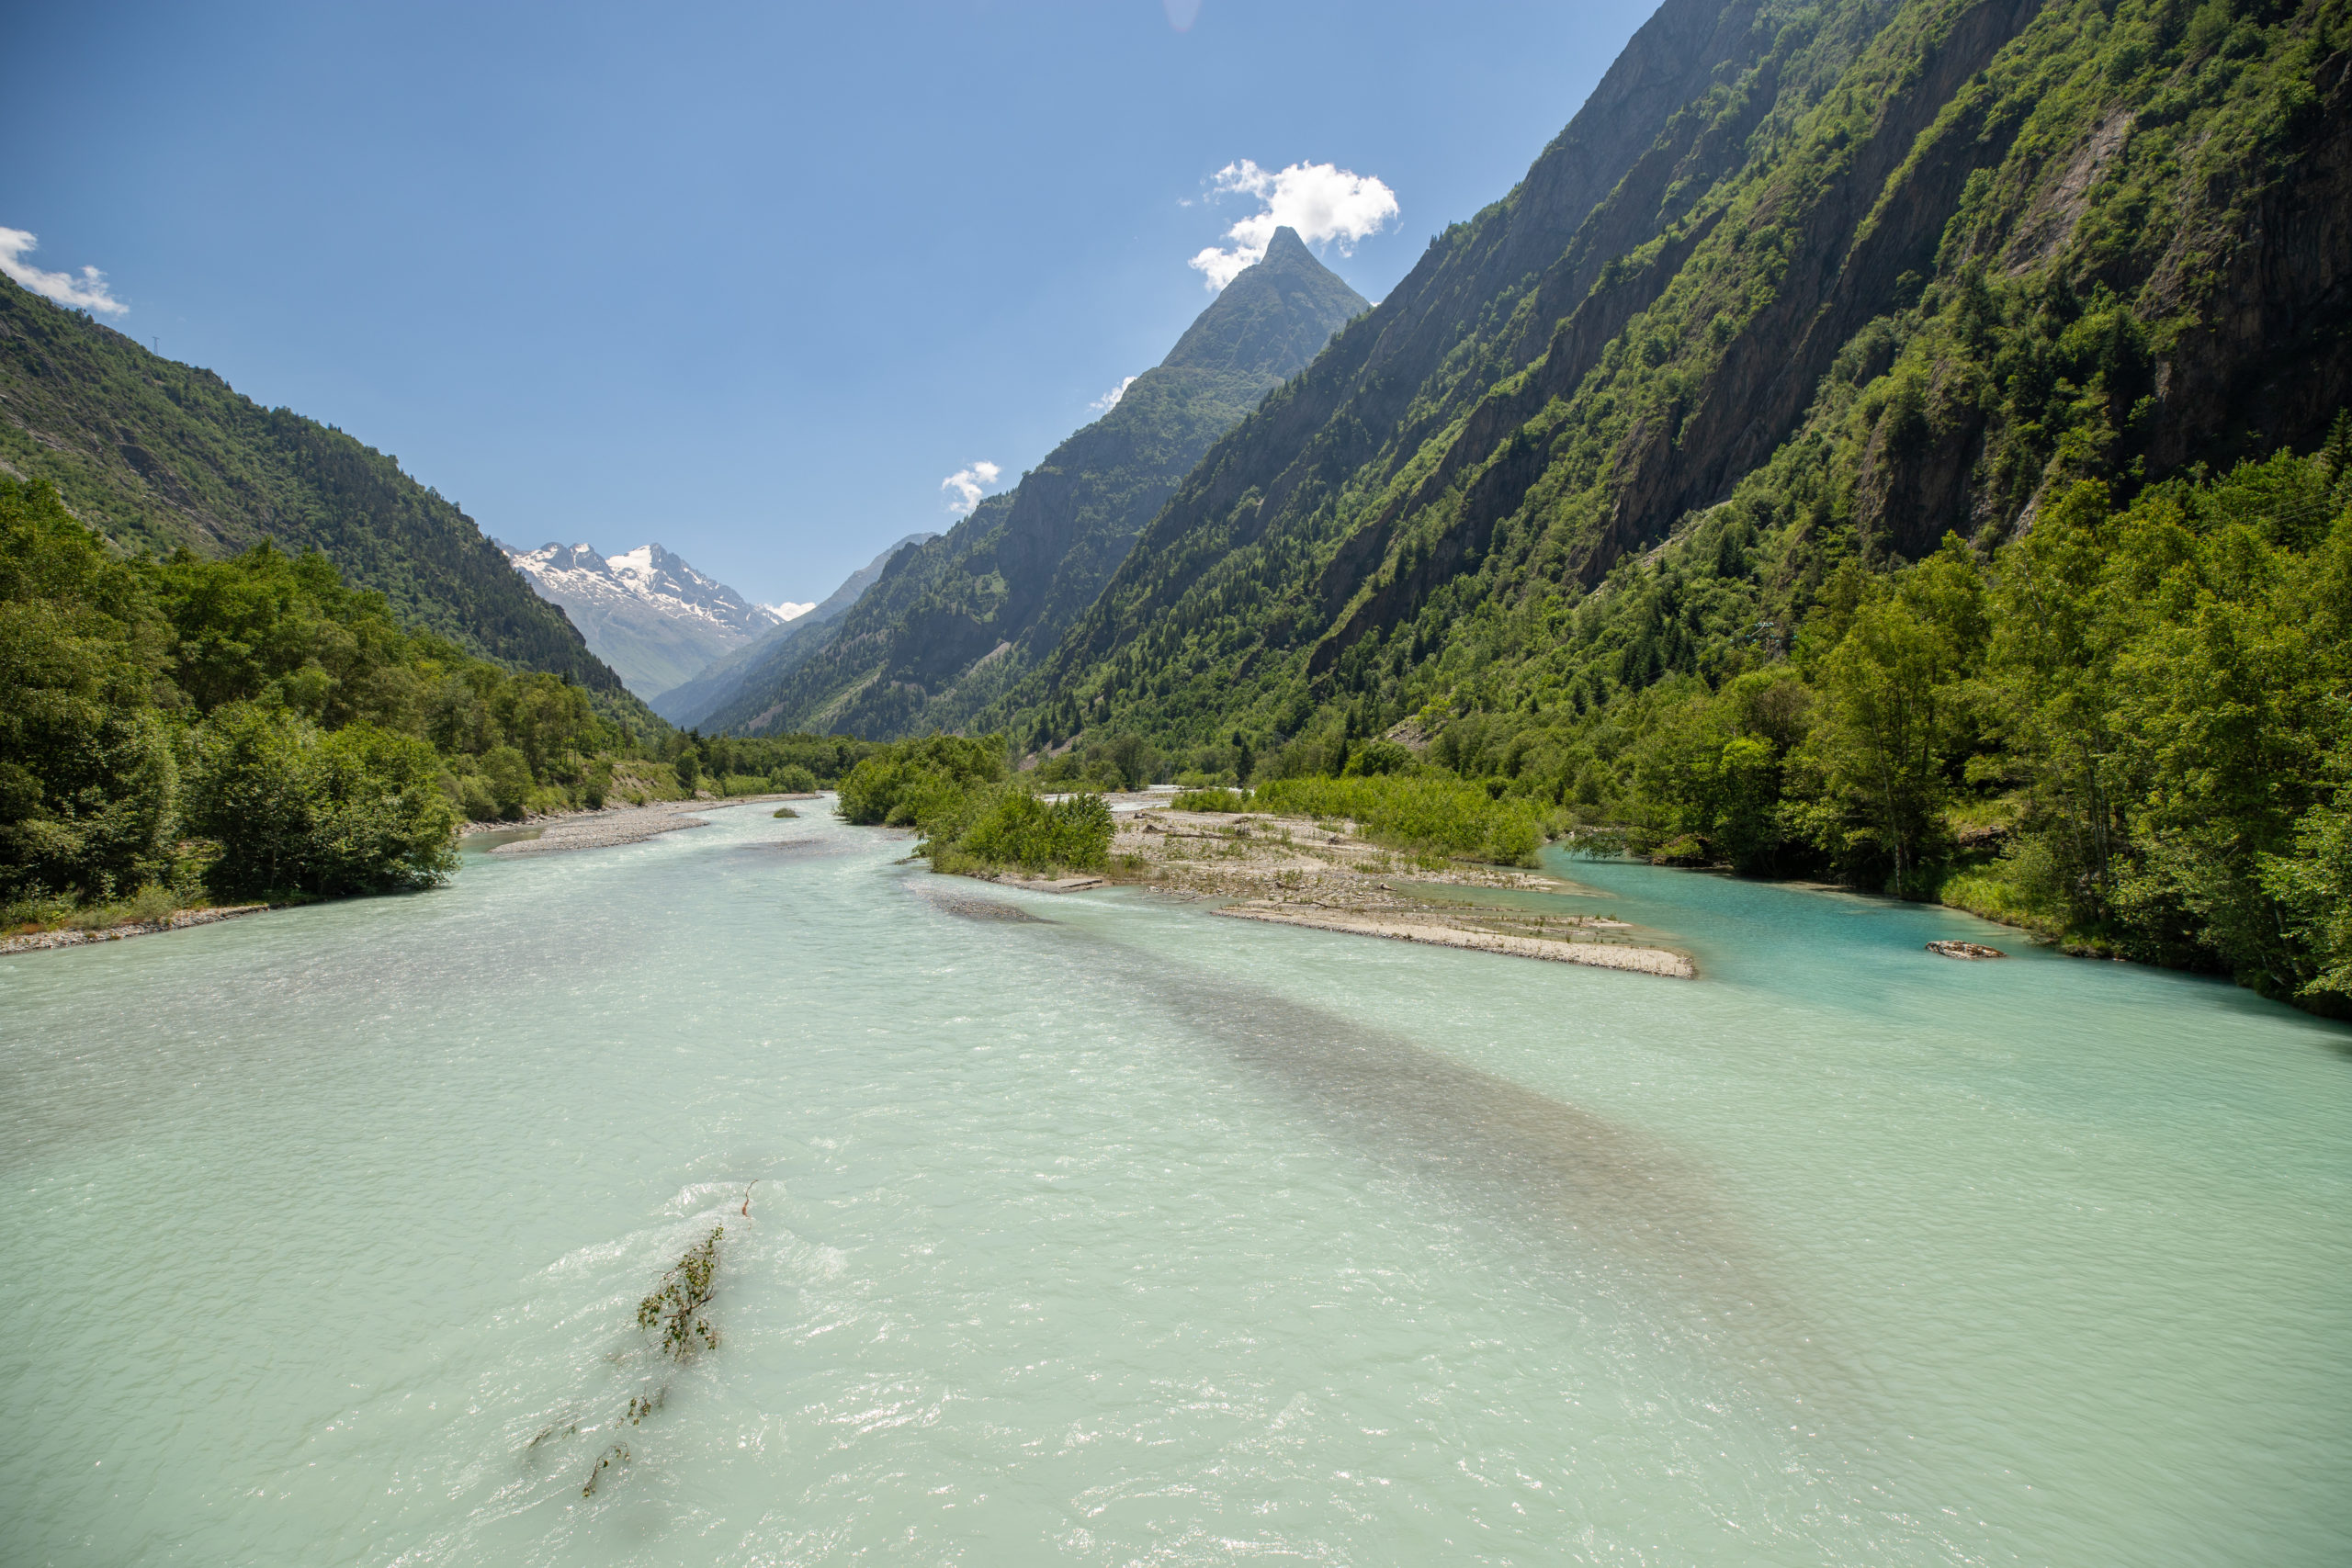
(1377, 757)
(1431, 813)
(1018, 829)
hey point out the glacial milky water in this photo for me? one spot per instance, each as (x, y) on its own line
(1129, 1235)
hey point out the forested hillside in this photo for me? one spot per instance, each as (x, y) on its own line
(255, 727)
(955, 623)
(767, 659)
(1827, 460)
(164, 456)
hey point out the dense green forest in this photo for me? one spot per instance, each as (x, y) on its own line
(166, 457)
(180, 728)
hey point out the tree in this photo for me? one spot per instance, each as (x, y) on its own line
(88, 777)
(1881, 748)
(296, 811)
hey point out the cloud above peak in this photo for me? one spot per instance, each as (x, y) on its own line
(1324, 202)
(87, 292)
(969, 485)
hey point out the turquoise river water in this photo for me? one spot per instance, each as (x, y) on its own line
(1131, 1234)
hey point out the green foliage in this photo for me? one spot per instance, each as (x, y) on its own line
(1433, 814)
(257, 703)
(673, 1311)
(87, 771)
(919, 783)
(2128, 730)
(1122, 761)
(292, 809)
(1014, 827)
(972, 816)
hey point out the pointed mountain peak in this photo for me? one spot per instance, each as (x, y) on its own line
(1273, 317)
(1286, 250)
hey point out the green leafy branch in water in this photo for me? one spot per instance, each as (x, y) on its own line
(676, 1308)
(617, 1451)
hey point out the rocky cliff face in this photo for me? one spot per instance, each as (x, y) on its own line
(952, 625)
(1880, 271)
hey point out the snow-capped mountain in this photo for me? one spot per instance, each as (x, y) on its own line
(647, 613)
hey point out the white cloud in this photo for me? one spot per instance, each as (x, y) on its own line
(969, 484)
(789, 611)
(87, 292)
(1182, 14)
(1322, 201)
(1109, 399)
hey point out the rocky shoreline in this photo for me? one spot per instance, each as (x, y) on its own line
(1324, 876)
(621, 825)
(36, 942)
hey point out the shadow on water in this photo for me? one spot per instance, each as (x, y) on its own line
(1589, 1198)
(805, 848)
(965, 907)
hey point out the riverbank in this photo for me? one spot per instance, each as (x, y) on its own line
(1324, 876)
(178, 920)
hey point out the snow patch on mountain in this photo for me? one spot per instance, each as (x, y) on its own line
(648, 573)
(648, 613)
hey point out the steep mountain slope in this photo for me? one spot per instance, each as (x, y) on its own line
(160, 455)
(647, 613)
(1828, 280)
(954, 624)
(775, 652)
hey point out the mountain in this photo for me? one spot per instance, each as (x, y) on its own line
(775, 652)
(1799, 284)
(952, 623)
(647, 613)
(162, 456)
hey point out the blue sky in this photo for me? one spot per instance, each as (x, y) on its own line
(752, 280)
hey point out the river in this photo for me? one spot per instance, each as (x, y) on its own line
(1129, 1235)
